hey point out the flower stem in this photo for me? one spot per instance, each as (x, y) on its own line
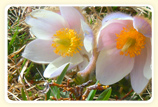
(92, 64)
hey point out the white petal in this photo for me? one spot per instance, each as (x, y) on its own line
(138, 81)
(73, 17)
(84, 52)
(76, 59)
(87, 61)
(147, 67)
(142, 26)
(112, 67)
(88, 36)
(44, 23)
(55, 68)
(88, 44)
(117, 15)
(84, 64)
(40, 51)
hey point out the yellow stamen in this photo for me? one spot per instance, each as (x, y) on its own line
(66, 42)
(130, 42)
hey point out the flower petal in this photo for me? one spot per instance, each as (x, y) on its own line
(112, 67)
(73, 17)
(44, 23)
(55, 68)
(40, 51)
(88, 36)
(138, 81)
(142, 26)
(84, 64)
(117, 16)
(107, 35)
(147, 67)
(84, 53)
(87, 62)
(86, 59)
(76, 59)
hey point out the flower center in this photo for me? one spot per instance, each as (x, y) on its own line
(66, 42)
(130, 42)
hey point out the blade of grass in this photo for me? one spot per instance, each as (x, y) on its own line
(49, 93)
(23, 94)
(61, 77)
(43, 66)
(29, 68)
(92, 93)
(59, 81)
(23, 63)
(13, 39)
(105, 94)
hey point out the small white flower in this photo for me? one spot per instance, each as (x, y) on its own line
(62, 38)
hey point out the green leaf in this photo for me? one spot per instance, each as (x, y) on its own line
(61, 77)
(92, 93)
(105, 94)
(55, 89)
(49, 94)
(23, 94)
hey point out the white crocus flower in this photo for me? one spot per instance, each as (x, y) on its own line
(62, 38)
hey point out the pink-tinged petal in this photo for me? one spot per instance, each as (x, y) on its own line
(138, 81)
(112, 67)
(44, 23)
(40, 51)
(147, 67)
(88, 36)
(72, 16)
(142, 25)
(107, 35)
(117, 16)
(55, 68)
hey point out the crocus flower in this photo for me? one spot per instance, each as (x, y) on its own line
(62, 38)
(124, 43)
